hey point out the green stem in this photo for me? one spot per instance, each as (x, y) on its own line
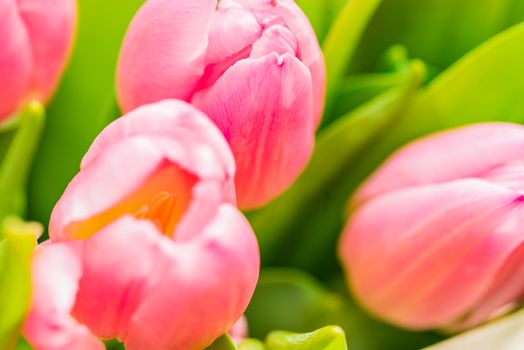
(15, 276)
(17, 163)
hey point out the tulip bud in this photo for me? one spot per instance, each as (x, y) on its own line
(436, 238)
(36, 38)
(149, 248)
(254, 66)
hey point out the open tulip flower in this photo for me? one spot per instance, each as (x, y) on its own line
(147, 245)
(436, 239)
(253, 66)
(35, 37)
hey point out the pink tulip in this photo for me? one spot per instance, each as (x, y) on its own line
(148, 246)
(35, 37)
(436, 238)
(254, 66)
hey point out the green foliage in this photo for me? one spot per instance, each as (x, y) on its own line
(326, 338)
(223, 343)
(251, 344)
(341, 43)
(293, 300)
(114, 345)
(22, 344)
(437, 31)
(18, 158)
(289, 299)
(15, 283)
(321, 14)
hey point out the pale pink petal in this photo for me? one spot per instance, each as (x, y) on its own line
(232, 34)
(176, 295)
(506, 288)
(427, 239)
(233, 30)
(56, 269)
(163, 54)
(277, 39)
(211, 278)
(287, 12)
(174, 119)
(15, 59)
(111, 178)
(464, 152)
(267, 120)
(130, 151)
(118, 262)
(50, 25)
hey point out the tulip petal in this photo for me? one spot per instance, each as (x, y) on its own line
(131, 154)
(227, 251)
(50, 26)
(56, 270)
(309, 51)
(267, 122)
(102, 186)
(174, 119)
(113, 278)
(163, 54)
(443, 157)
(232, 31)
(506, 287)
(159, 301)
(15, 59)
(277, 39)
(467, 226)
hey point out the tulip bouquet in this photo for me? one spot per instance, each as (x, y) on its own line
(261, 174)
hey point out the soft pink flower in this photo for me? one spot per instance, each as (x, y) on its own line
(147, 245)
(436, 237)
(254, 66)
(35, 37)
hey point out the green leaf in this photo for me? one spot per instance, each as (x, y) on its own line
(340, 45)
(293, 300)
(321, 14)
(289, 299)
(114, 345)
(437, 31)
(356, 90)
(251, 344)
(84, 103)
(223, 343)
(327, 338)
(504, 334)
(18, 159)
(22, 344)
(15, 282)
(286, 222)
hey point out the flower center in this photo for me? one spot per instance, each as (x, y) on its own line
(162, 211)
(161, 199)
